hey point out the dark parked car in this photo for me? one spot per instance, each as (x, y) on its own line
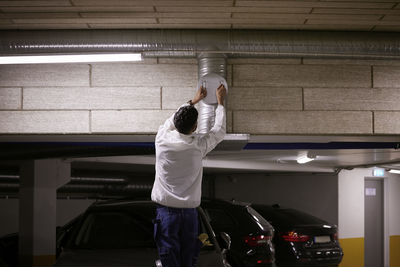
(301, 239)
(250, 233)
(120, 233)
(9, 250)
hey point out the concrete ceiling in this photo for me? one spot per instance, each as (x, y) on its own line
(230, 156)
(265, 161)
(358, 15)
(235, 154)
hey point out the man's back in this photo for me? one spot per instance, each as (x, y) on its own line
(179, 167)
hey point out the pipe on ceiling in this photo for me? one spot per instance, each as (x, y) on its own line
(83, 185)
(115, 189)
(9, 187)
(9, 178)
(87, 188)
(97, 180)
(209, 63)
(73, 180)
(189, 43)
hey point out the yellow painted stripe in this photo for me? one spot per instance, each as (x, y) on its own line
(395, 251)
(353, 249)
(37, 260)
(44, 260)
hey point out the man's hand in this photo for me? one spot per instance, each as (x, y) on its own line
(200, 94)
(221, 93)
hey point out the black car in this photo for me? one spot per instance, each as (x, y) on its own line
(250, 233)
(301, 239)
(120, 233)
(9, 250)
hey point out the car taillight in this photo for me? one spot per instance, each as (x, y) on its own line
(257, 240)
(335, 236)
(264, 261)
(295, 237)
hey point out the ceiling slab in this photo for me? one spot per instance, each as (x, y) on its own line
(350, 15)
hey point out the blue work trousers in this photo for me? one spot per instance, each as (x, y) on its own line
(176, 233)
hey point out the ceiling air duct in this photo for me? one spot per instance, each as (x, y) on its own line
(212, 72)
(190, 43)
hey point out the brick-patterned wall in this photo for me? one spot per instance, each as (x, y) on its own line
(266, 96)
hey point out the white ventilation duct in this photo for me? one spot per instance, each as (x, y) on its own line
(189, 43)
(212, 73)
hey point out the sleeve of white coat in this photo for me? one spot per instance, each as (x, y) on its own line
(217, 133)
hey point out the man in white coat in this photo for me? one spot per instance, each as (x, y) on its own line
(177, 185)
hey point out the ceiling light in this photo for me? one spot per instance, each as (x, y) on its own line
(304, 157)
(88, 58)
(394, 171)
(378, 172)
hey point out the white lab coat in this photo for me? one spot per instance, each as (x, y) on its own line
(179, 167)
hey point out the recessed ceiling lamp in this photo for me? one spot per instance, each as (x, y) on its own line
(84, 58)
(394, 171)
(304, 157)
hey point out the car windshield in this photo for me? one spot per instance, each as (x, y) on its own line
(114, 230)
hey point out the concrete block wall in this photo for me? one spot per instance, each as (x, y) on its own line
(315, 96)
(267, 96)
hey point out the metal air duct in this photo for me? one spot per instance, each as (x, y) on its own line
(115, 189)
(83, 185)
(97, 180)
(209, 63)
(189, 43)
(9, 178)
(74, 180)
(9, 187)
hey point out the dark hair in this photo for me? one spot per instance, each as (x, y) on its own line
(185, 119)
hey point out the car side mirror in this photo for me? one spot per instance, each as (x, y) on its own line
(225, 241)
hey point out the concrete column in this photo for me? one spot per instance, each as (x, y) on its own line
(37, 212)
(351, 215)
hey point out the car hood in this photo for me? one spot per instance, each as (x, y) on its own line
(144, 257)
(139, 257)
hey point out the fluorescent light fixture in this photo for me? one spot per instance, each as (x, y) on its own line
(88, 58)
(378, 172)
(304, 157)
(394, 171)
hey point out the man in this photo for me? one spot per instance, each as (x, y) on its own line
(177, 185)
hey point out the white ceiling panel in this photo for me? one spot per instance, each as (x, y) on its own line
(380, 15)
